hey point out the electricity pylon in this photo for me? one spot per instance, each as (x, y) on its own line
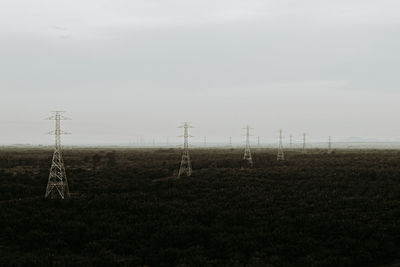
(57, 185)
(304, 144)
(329, 145)
(291, 142)
(281, 155)
(258, 141)
(230, 141)
(205, 141)
(186, 166)
(247, 152)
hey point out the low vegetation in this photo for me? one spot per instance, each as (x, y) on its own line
(318, 209)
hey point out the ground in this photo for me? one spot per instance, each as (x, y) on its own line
(318, 209)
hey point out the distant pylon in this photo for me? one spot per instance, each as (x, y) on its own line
(247, 152)
(186, 166)
(205, 141)
(258, 141)
(291, 142)
(57, 185)
(329, 145)
(304, 143)
(281, 155)
(154, 142)
(230, 141)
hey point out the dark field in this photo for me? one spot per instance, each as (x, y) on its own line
(340, 209)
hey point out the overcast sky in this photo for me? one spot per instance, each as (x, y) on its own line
(124, 69)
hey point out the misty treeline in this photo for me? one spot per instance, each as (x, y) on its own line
(340, 209)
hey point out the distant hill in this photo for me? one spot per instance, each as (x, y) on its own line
(355, 139)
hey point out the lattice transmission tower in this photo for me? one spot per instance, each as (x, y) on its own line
(230, 141)
(57, 185)
(281, 155)
(291, 141)
(247, 152)
(186, 165)
(329, 145)
(304, 144)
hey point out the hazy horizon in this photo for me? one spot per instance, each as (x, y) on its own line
(126, 69)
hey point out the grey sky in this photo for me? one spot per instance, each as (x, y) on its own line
(128, 68)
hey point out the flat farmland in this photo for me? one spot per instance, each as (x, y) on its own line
(126, 209)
